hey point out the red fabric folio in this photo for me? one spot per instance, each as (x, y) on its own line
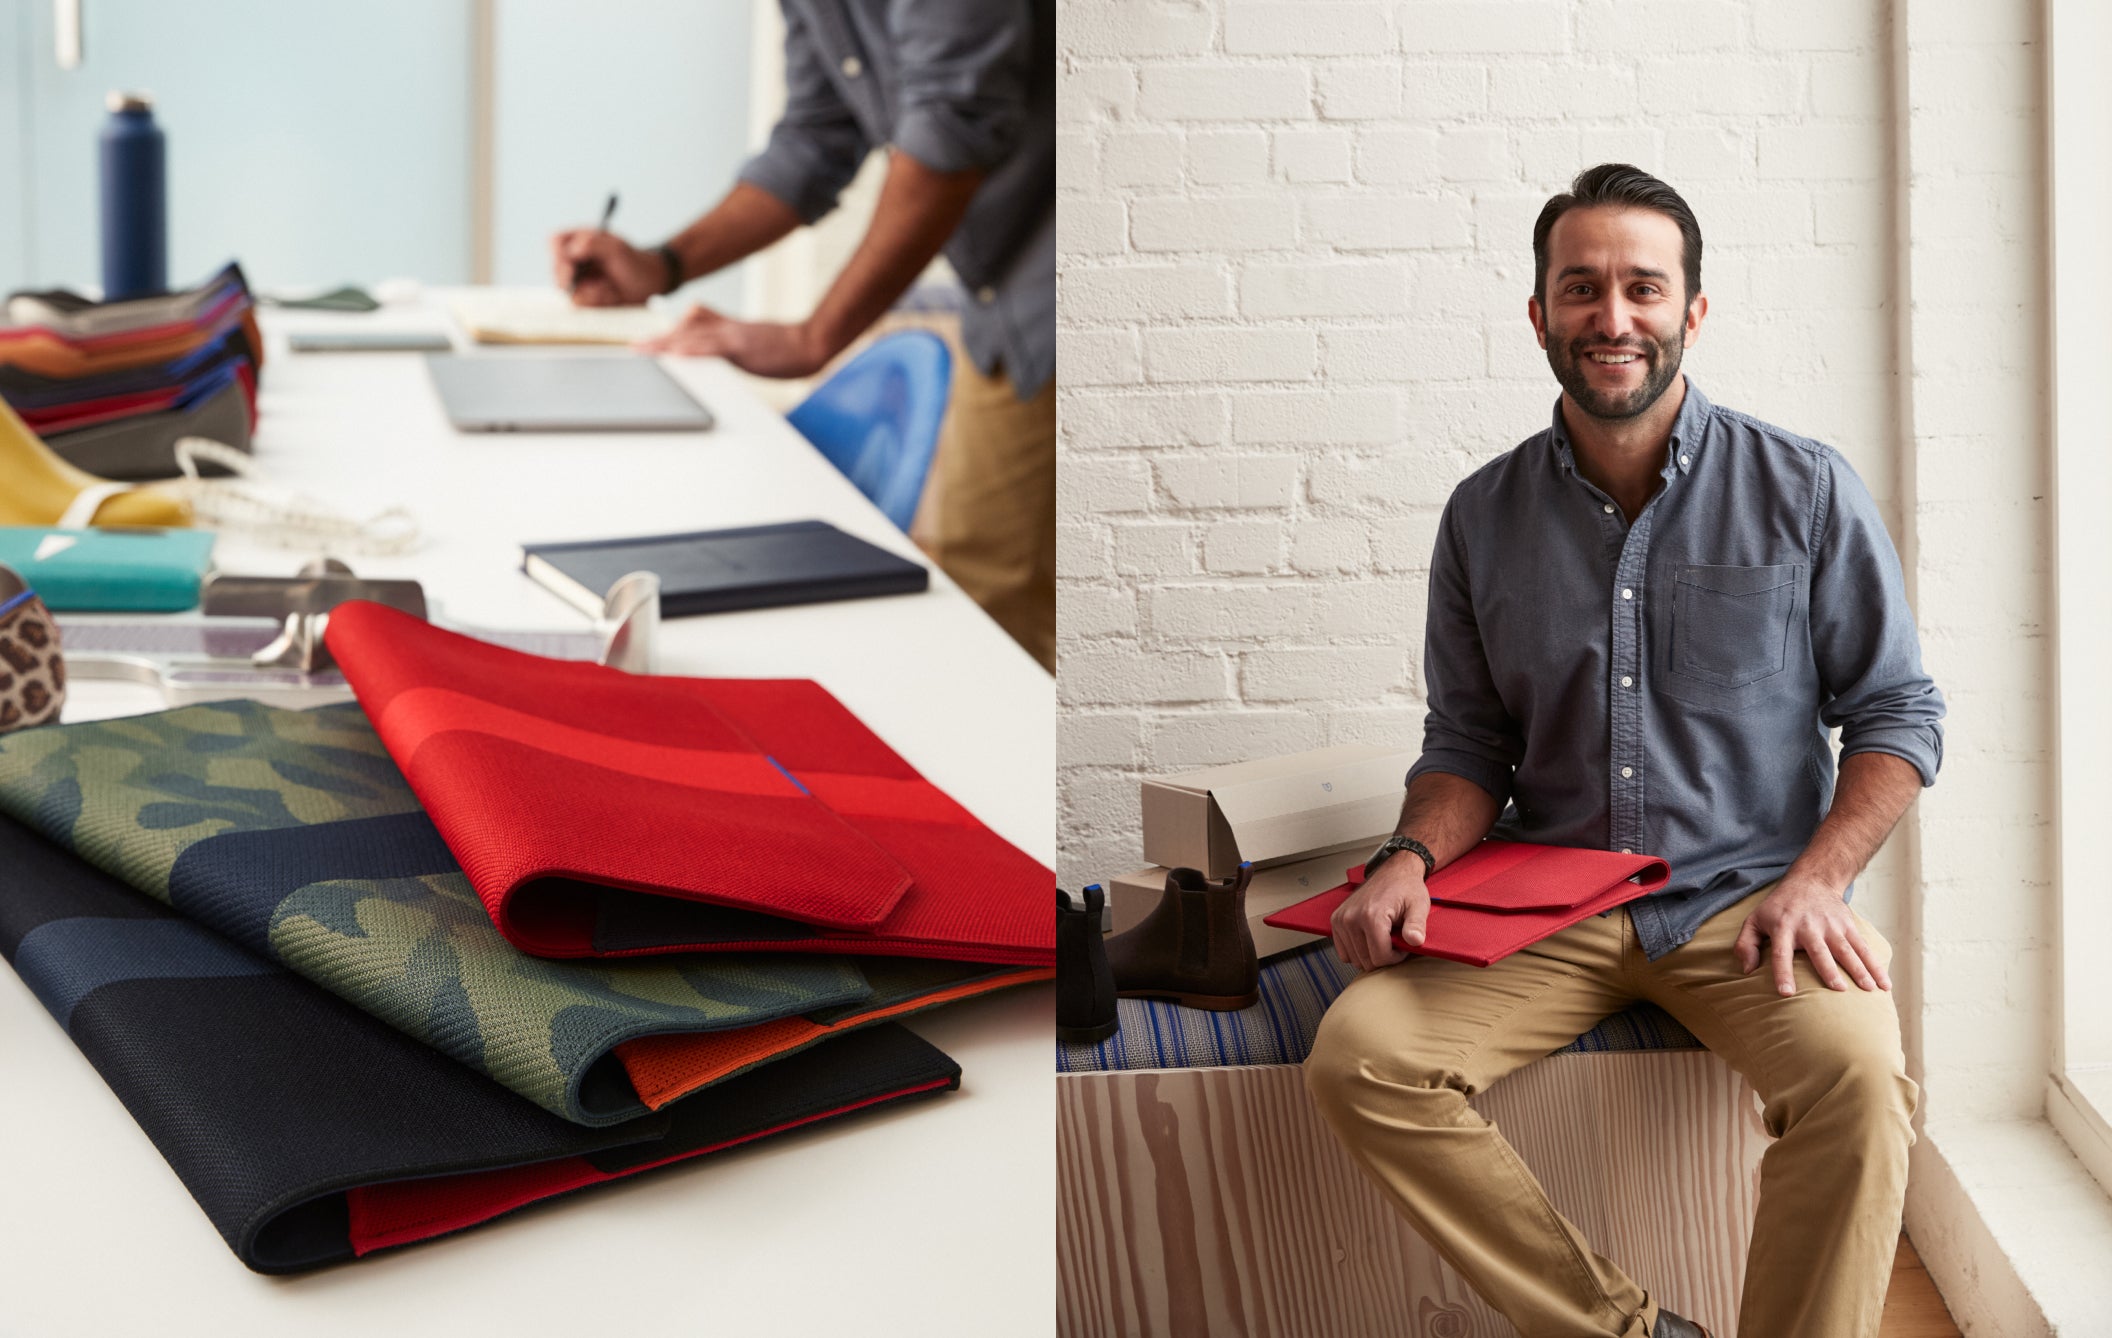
(563, 788)
(1502, 896)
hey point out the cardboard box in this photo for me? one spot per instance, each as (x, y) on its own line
(1131, 896)
(1276, 810)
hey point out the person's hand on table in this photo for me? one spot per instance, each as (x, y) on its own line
(1393, 900)
(764, 348)
(1809, 914)
(601, 269)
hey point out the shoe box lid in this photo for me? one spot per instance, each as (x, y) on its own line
(1273, 810)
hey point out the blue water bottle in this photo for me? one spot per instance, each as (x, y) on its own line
(135, 200)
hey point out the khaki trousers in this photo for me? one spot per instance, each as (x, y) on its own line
(988, 514)
(1404, 1047)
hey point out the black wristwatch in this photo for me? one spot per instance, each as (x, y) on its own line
(1394, 846)
(674, 267)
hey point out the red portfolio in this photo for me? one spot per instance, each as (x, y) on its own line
(599, 813)
(1501, 896)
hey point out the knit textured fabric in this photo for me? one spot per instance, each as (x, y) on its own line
(599, 813)
(665, 1068)
(310, 1132)
(1296, 989)
(292, 835)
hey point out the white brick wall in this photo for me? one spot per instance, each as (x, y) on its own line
(1296, 252)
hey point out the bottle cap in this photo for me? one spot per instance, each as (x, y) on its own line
(129, 102)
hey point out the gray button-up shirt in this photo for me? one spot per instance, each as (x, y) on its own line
(957, 85)
(1667, 685)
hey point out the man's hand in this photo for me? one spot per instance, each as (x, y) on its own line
(601, 269)
(1391, 900)
(1808, 914)
(762, 347)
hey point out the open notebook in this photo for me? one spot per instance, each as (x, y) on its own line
(550, 318)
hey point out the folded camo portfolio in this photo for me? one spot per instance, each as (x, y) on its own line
(602, 813)
(1502, 896)
(291, 834)
(308, 1131)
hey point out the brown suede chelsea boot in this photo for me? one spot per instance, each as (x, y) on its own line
(1194, 948)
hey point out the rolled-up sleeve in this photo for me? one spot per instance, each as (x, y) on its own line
(1863, 635)
(816, 147)
(964, 79)
(1466, 732)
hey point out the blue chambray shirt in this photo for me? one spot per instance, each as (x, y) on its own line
(1667, 686)
(957, 85)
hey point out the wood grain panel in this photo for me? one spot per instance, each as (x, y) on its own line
(1214, 1201)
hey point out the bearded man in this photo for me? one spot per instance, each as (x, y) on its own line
(1642, 624)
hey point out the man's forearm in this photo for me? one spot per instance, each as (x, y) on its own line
(748, 219)
(917, 212)
(1449, 814)
(1873, 791)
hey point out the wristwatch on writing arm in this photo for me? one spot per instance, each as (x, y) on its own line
(669, 258)
(1395, 845)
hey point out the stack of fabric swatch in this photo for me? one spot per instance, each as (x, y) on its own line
(502, 929)
(111, 386)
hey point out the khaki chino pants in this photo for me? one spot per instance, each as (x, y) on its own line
(988, 514)
(1404, 1047)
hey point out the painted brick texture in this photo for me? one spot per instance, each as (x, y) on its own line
(1291, 315)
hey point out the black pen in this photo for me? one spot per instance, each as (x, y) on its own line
(587, 269)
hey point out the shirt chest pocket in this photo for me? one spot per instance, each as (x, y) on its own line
(1731, 627)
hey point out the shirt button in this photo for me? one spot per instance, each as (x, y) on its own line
(1684, 460)
(852, 68)
(1626, 851)
(1626, 681)
(986, 295)
(1608, 508)
(1627, 772)
(1626, 593)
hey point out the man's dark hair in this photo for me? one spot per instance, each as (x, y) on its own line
(1620, 186)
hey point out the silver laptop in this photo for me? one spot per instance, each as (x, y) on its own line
(533, 393)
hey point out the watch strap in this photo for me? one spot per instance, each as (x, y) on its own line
(674, 267)
(1393, 846)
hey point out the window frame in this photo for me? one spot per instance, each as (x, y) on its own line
(2079, 162)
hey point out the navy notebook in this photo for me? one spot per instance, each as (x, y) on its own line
(717, 571)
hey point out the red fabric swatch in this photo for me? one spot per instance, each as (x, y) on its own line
(553, 781)
(1501, 896)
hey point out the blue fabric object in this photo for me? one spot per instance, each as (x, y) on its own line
(1296, 989)
(877, 419)
(1667, 685)
(64, 961)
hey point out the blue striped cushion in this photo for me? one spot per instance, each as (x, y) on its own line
(1296, 989)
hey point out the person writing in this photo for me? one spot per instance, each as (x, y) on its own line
(962, 94)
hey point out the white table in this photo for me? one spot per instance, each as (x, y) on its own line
(936, 1218)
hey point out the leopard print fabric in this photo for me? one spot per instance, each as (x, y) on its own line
(32, 674)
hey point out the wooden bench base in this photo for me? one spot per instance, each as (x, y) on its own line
(1215, 1202)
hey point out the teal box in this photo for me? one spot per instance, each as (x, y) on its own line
(116, 570)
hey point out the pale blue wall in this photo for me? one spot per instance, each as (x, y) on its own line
(648, 98)
(314, 143)
(14, 102)
(321, 144)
